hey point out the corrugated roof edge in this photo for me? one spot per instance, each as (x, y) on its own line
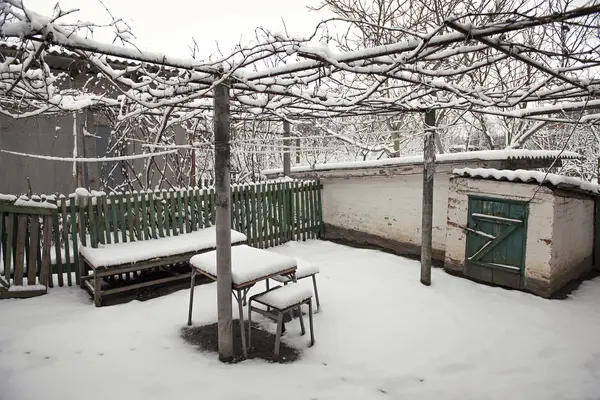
(529, 177)
(484, 155)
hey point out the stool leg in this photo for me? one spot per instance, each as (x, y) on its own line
(301, 320)
(278, 335)
(267, 283)
(310, 320)
(193, 283)
(314, 279)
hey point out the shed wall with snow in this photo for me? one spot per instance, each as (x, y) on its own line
(559, 233)
(378, 203)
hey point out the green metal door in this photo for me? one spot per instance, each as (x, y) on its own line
(496, 237)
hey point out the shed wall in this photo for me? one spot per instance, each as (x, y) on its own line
(573, 238)
(382, 206)
(539, 231)
(386, 209)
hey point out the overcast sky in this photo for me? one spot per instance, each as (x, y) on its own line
(168, 26)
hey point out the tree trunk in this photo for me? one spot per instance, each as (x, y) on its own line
(427, 209)
(223, 221)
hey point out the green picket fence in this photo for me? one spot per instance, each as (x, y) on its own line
(269, 213)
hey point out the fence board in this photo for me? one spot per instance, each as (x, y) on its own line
(66, 226)
(20, 252)
(160, 213)
(57, 248)
(9, 245)
(130, 216)
(211, 207)
(180, 216)
(122, 219)
(91, 222)
(34, 244)
(74, 229)
(193, 209)
(47, 243)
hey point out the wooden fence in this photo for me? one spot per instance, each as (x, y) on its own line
(25, 245)
(269, 213)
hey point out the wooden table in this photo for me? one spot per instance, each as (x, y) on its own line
(249, 266)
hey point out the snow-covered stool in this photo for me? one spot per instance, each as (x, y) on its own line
(280, 300)
(305, 269)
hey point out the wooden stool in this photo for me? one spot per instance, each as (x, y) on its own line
(280, 300)
(305, 269)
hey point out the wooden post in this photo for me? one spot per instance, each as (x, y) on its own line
(427, 208)
(298, 151)
(223, 221)
(286, 149)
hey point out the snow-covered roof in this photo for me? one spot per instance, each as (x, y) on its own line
(524, 176)
(484, 155)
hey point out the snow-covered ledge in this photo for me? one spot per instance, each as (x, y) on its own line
(484, 155)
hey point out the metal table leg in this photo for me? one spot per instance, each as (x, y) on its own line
(193, 284)
(240, 297)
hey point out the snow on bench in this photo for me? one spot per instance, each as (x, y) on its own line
(285, 296)
(304, 270)
(133, 252)
(248, 264)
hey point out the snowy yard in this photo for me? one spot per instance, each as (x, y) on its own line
(380, 334)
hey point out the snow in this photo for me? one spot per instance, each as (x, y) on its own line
(131, 252)
(82, 192)
(247, 263)
(305, 268)
(380, 334)
(26, 288)
(526, 176)
(23, 201)
(7, 197)
(76, 159)
(285, 296)
(487, 155)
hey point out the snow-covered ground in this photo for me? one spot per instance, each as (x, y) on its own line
(380, 334)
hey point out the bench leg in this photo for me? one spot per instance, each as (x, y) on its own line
(310, 320)
(314, 279)
(82, 272)
(97, 290)
(278, 335)
(193, 284)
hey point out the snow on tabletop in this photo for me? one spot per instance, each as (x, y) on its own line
(131, 252)
(525, 176)
(7, 197)
(247, 263)
(305, 268)
(485, 155)
(286, 296)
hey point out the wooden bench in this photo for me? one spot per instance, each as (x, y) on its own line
(282, 299)
(123, 258)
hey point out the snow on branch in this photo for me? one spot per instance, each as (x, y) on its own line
(307, 77)
(90, 160)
